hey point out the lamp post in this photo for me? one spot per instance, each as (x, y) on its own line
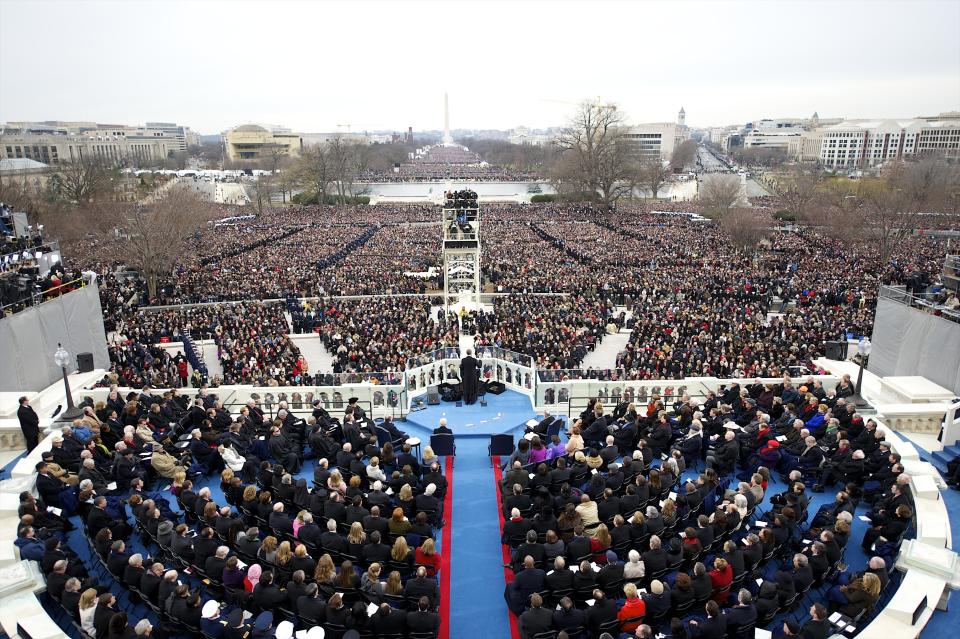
(863, 349)
(62, 359)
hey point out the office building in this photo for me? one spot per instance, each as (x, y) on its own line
(868, 143)
(53, 142)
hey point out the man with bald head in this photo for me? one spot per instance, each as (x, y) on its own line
(527, 581)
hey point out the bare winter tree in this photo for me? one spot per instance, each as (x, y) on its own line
(894, 207)
(261, 190)
(341, 157)
(719, 194)
(314, 170)
(651, 176)
(81, 181)
(157, 232)
(745, 226)
(802, 191)
(593, 157)
(683, 155)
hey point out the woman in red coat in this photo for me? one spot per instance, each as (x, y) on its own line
(721, 577)
(632, 612)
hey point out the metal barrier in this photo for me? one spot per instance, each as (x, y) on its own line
(35, 299)
(923, 302)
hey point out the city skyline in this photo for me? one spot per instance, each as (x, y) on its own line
(389, 65)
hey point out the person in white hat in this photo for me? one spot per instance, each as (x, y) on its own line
(284, 630)
(211, 623)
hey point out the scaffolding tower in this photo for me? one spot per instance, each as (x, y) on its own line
(461, 251)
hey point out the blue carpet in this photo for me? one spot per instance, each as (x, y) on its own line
(477, 607)
(943, 625)
(502, 414)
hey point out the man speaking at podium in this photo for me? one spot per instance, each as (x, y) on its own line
(469, 377)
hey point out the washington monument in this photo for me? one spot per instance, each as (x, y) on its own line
(447, 139)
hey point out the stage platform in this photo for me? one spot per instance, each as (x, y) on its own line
(502, 414)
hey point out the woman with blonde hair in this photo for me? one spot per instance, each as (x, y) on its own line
(268, 550)
(401, 552)
(374, 472)
(575, 442)
(88, 608)
(668, 512)
(325, 571)
(406, 502)
(861, 595)
(428, 456)
(284, 554)
(427, 555)
(356, 539)
(371, 585)
(394, 584)
(179, 477)
(600, 543)
(302, 560)
(226, 478)
(335, 482)
(298, 522)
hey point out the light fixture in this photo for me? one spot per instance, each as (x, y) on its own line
(863, 349)
(62, 359)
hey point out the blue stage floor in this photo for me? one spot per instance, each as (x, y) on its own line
(502, 414)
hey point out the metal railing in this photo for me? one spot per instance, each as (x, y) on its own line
(925, 302)
(37, 298)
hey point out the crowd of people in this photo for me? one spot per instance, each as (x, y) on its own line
(695, 303)
(447, 163)
(604, 535)
(352, 550)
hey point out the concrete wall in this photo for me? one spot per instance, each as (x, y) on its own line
(29, 339)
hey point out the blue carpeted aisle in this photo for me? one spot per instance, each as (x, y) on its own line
(477, 607)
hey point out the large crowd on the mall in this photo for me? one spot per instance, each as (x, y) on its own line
(695, 303)
(695, 519)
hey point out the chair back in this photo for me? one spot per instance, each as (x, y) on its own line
(443, 445)
(501, 444)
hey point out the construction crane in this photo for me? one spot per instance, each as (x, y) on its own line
(340, 126)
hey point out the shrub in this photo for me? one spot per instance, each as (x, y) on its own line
(543, 197)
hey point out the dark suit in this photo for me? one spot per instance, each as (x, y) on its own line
(469, 378)
(815, 629)
(712, 628)
(535, 621)
(30, 425)
(423, 622)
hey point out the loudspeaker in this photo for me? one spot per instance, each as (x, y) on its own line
(836, 350)
(450, 392)
(84, 362)
(433, 396)
(496, 388)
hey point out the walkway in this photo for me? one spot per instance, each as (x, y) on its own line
(312, 349)
(605, 354)
(208, 351)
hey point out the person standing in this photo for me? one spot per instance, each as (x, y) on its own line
(29, 423)
(469, 377)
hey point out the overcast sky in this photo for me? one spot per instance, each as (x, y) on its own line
(313, 66)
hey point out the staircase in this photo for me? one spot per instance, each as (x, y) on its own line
(941, 458)
(193, 357)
